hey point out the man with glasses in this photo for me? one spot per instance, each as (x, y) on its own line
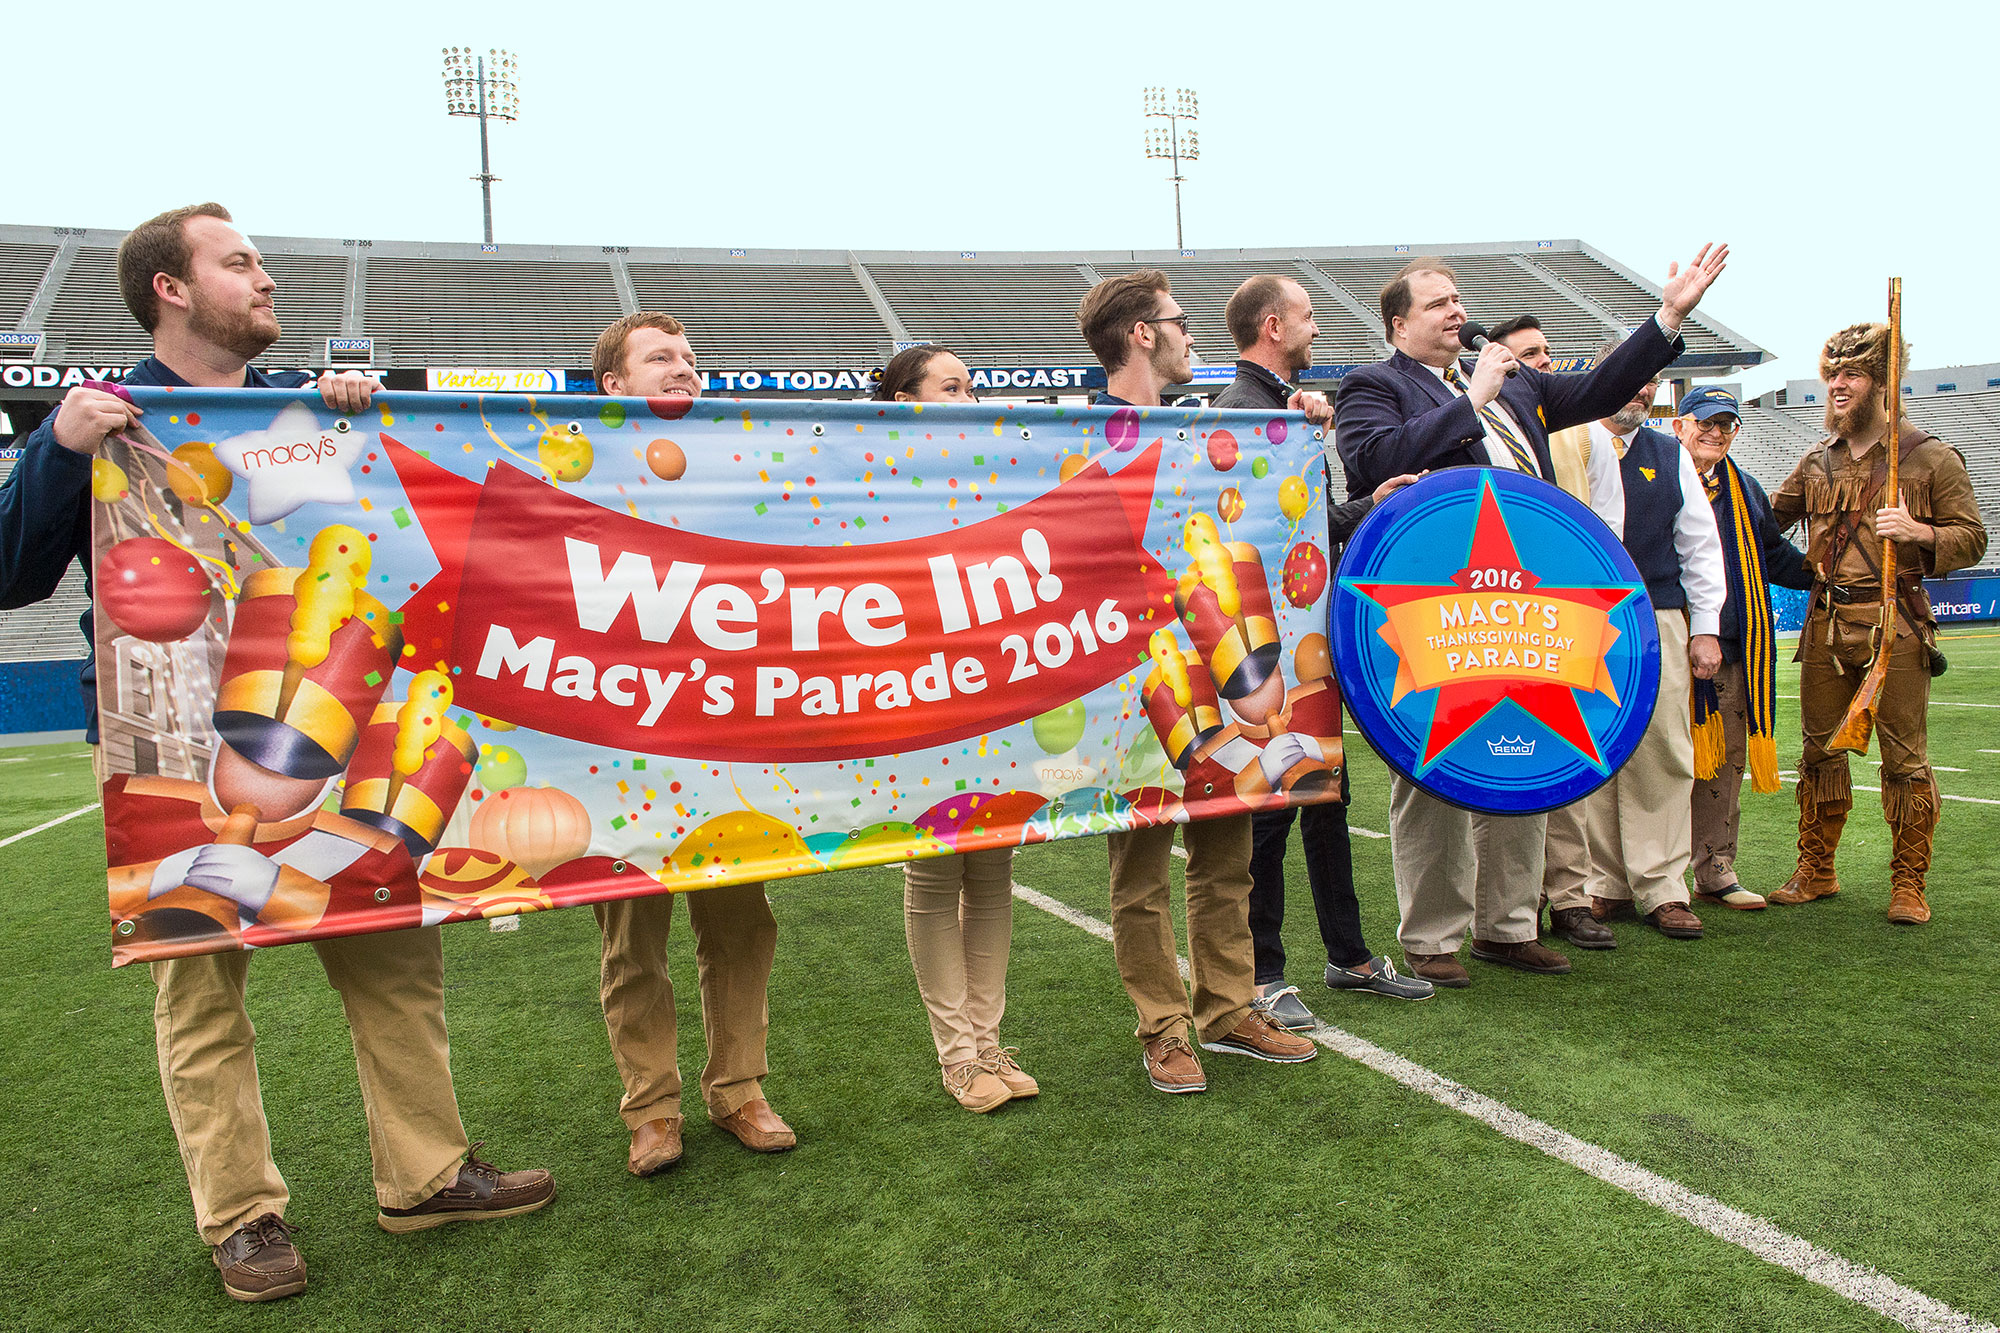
(1140, 334)
(1637, 824)
(1734, 717)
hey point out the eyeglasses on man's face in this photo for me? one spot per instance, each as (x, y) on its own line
(1718, 425)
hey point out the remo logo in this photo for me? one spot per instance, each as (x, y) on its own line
(1494, 641)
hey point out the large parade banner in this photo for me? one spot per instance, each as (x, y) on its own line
(459, 656)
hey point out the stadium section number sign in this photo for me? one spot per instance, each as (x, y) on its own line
(1495, 641)
(462, 655)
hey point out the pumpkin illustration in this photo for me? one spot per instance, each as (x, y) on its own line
(537, 828)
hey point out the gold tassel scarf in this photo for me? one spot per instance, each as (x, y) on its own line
(1748, 588)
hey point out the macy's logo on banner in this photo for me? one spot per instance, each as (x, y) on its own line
(303, 451)
(293, 462)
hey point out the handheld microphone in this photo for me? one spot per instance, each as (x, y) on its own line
(1472, 337)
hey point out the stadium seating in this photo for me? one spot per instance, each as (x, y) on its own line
(747, 315)
(21, 270)
(517, 305)
(1775, 435)
(438, 310)
(990, 313)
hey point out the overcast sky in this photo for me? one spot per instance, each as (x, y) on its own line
(1832, 145)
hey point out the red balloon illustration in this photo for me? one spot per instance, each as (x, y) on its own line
(1304, 578)
(153, 590)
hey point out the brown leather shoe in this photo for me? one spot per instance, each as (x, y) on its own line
(1261, 1039)
(1580, 928)
(1000, 1062)
(1675, 921)
(1440, 969)
(258, 1261)
(656, 1145)
(1612, 909)
(1172, 1066)
(758, 1128)
(482, 1193)
(1908, 908)
(1528, 955)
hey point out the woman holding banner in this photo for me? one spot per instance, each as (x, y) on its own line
(958, 911)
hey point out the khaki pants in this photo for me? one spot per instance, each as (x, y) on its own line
(1638, 823)
(1220, 959)
(1455, 869)
(958, 915)
(1717, 807)
(735, 941)
(1566, 858)
(392, 987)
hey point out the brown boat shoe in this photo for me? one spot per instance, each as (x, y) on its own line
(1675, 921)
(481, 1193)
(258, 1261)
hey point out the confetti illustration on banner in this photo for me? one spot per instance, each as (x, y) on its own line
(465, 655)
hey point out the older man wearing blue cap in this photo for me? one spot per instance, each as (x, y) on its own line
(1735, 713)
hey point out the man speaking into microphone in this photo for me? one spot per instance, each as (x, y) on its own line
(1424, 408)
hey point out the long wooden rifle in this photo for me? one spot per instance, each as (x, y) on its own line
(1859, 724)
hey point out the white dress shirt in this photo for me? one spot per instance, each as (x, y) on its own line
(1697, 540)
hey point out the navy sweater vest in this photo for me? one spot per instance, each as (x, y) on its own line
(1651, 470)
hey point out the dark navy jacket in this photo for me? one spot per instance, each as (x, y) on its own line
(1396, 416)
(45, 513)
(1256, 387)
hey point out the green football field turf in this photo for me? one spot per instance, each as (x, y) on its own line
(1812, 1066)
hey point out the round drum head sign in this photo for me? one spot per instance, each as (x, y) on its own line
(1495, 642)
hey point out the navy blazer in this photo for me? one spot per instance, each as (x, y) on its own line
(1396, 416)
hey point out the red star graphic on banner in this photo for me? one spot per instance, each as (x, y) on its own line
(1462, 706)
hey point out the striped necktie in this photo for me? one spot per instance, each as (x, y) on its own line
(1524, 458)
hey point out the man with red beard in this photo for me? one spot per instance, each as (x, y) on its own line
(1934, 521)
(199, 288)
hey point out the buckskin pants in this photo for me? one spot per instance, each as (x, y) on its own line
(1829, 675)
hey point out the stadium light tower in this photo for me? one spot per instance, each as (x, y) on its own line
(471, 89)
(1170, 143)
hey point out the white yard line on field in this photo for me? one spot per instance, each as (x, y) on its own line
(1935, 703)
(42, 828)
(1843, 1277)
